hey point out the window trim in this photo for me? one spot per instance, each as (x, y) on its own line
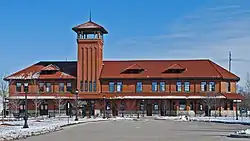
(25, 87)
(177, 86)
(154, 86)
(120, 84)
(67, 87)
(185, 86)
(229, 87)
(111, 89)
(63, 89)
(205, 86)
(211, 86)
(162, 86)
(139, 89)
(20, 87)
(49, 87)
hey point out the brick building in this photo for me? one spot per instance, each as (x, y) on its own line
(147, 87)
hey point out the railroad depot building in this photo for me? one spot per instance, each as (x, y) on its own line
(147, 87)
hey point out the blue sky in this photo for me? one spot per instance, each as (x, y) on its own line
(41, 30)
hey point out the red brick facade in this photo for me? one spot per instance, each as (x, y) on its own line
(114, 84)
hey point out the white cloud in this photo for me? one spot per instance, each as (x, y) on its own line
(208, 33)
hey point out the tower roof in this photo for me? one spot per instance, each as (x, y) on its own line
(89, 27)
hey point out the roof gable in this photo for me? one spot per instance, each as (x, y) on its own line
(50, 67)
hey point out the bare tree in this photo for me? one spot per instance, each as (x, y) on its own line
(4, 86)
(14, 103)
(247, 85)
(59, 102)
(37, 102)
(211, 101)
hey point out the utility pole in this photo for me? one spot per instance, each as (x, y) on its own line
(230, 61)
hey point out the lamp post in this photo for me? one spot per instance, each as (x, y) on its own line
(26, 106)
(76, 104)
(143, 107)
(104, 107)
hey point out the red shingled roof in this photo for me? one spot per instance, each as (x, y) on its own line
(64, 70)
(90, 25)
(154, 69)
(112, 69)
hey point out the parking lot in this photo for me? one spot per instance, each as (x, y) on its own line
(145, 130)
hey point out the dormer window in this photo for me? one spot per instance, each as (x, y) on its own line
(49, 69)
(175, 68)
(133, 69)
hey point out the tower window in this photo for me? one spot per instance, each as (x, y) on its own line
(94, 86)
(18, 87)
(154, 86)
(187, 86)
(111, 87)
(81, 86)
(203, 86)
(119, 87)
(178, 86)
(86, 86)
(90, 86)
(139, 87)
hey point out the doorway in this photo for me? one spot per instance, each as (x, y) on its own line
(44, 109)
(149, 109)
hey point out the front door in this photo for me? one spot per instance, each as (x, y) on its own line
(149, 109)
(44, 109)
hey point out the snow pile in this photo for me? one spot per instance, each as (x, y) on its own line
(228, 120)
(184, 118)
(241, 134)
(14, 130)
(165, 118)
(122, 118)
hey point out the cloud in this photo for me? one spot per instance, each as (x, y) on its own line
(208, 33)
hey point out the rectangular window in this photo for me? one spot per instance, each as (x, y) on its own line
(61, 87)
(228, 87)
(69, 87)
(211, 86)
(154, 86)
(94, 86)
(203, 86)
(111, 87)
(162, 86)
(41, 87)
(187, 86)
(90, 86)
(18, 87)
(119, 87)
(48, 87)
(139, 87)
(86, 86)
(26, 87)
(178, 86)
